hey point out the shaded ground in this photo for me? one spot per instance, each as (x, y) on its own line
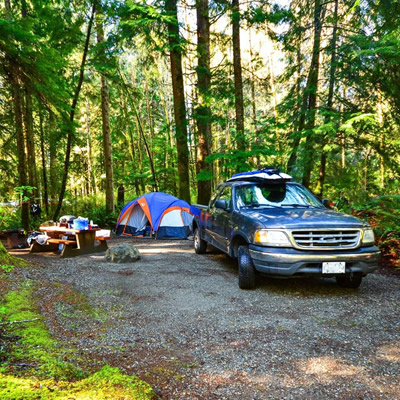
(179, 321)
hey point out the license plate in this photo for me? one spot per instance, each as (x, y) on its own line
(333, 267)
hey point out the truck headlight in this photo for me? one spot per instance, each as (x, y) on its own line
(271, 238)
(368, 236)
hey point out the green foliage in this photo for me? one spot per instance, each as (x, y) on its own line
(384, 215)
(92, 207)
(204, 175)
(7, 268)
(25, 192)
(10, 217)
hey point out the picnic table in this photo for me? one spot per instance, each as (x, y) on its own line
(75, 242)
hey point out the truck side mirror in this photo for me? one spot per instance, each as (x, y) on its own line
(222, 204)
(327, 203)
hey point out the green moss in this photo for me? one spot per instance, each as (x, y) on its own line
(51, 375)
(106, 384)
(8, 259)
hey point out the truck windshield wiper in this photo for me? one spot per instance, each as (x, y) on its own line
(297, 205)
(251, 205)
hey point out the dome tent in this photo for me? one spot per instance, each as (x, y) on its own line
(167, 216)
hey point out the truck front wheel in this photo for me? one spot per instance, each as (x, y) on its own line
(200, 245)
(247, 272)
(352, 281)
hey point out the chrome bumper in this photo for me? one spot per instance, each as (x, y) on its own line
(293, 262)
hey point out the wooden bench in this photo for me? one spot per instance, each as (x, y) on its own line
(52, 245)
(102, 242)
(102, 238)
(62, 241)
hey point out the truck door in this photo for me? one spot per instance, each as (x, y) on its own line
(220, 220)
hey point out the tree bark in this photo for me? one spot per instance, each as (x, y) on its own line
(311, 92)
(105, 114)
(169, 142)
(237, 73)
(149, 117)
(256, 159)
(30, 142)
(92, 178)
(291, 165)
(175, 50)
(53, 139)
(203, 112)
(329, 103)
(45, 200)
(70, 128)
(19, 133)
(15, 82)
(146, 145)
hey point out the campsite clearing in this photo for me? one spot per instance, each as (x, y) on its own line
(180, 322)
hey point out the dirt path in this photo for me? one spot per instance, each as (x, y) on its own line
(179, 321)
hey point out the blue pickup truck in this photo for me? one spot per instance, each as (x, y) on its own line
(277, 227)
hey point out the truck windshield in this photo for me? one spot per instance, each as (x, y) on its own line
(274, 195)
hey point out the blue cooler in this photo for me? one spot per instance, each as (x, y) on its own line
(81, 223)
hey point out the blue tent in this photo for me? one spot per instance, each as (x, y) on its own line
(162, 213)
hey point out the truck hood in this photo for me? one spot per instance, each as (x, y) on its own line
(293, 218)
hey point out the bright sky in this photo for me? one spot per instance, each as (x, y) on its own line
(260, 42)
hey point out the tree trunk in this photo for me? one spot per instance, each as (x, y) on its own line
(105, 114)
(329, 103)
(291, 165)
(91, 178)
(14, 77)
(141, 132)
(19, 133)
(44, 169)
(53, 141)
(30, 142)
(121, 195)
(311, 92)
(237, 72)
(149, 118)
(203, 112)
(256, 159)
(179, 99)
(70, 128)
(170, 154)
(382, 141)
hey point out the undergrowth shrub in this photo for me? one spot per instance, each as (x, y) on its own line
(10, 217)
(383, 214)
(91, 207)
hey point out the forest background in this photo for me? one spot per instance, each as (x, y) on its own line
(103, 101)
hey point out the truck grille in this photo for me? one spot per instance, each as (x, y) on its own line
(327, 239)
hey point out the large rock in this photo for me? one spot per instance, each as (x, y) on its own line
(122, 253)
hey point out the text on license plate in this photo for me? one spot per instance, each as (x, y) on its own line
(333, 267)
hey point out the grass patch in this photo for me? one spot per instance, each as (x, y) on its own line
(33, 365)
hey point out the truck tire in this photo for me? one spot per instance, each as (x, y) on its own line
(352, 281)
(200, 245)
(247, 272)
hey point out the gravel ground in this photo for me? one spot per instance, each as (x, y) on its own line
(179, 321)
